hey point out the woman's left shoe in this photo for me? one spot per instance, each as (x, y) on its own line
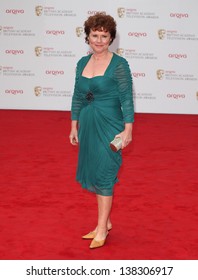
(90, 235)
(97, 243)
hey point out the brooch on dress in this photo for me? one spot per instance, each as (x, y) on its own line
(90, 97)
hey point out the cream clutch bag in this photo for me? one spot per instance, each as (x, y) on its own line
(116, 144)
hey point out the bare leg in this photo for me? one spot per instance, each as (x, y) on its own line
(104, 209)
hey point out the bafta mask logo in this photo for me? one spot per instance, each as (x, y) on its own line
(38, 51)
(160, 74)
(121, 12)
(0, 69)
(79, 31)
(38, 90)
(197, 95)
(39, 10)
(0, 29)
(161, 34)
(120, 51)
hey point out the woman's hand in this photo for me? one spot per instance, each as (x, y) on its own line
(74, 133)
(126, 135)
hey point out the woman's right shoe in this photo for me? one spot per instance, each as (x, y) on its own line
(98, 243)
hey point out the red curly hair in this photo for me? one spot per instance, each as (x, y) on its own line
(100, 22)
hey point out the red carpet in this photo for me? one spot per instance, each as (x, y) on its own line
(44, 212)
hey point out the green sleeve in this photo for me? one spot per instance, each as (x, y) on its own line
(76, 100)
(124, 79)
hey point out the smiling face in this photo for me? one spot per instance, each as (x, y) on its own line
(99, 41)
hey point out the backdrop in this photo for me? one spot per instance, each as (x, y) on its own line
(41, 42)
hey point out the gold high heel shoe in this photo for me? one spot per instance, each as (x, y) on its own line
(97, 243)
(92, 234)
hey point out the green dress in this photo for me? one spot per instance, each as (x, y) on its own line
(102, 105)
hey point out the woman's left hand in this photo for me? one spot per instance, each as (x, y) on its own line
(126, 135)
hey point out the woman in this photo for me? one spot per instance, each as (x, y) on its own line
(102, 109)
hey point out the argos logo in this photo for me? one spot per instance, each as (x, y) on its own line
(177, 55)
(139, 75)
(55, 73)
(15, 52)
(14, 11)
(55, 32)
(14, 91)
(176, 95)
(137, 34)
(94, 12)
(177, 15)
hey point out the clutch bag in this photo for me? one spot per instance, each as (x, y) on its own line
(116, 144)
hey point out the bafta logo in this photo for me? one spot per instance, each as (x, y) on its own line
(38, 90)
(160, 74)
(161, 34)
(79, 31)
(38, 51)
(121, 12)
(120, 51)
(39, 10)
